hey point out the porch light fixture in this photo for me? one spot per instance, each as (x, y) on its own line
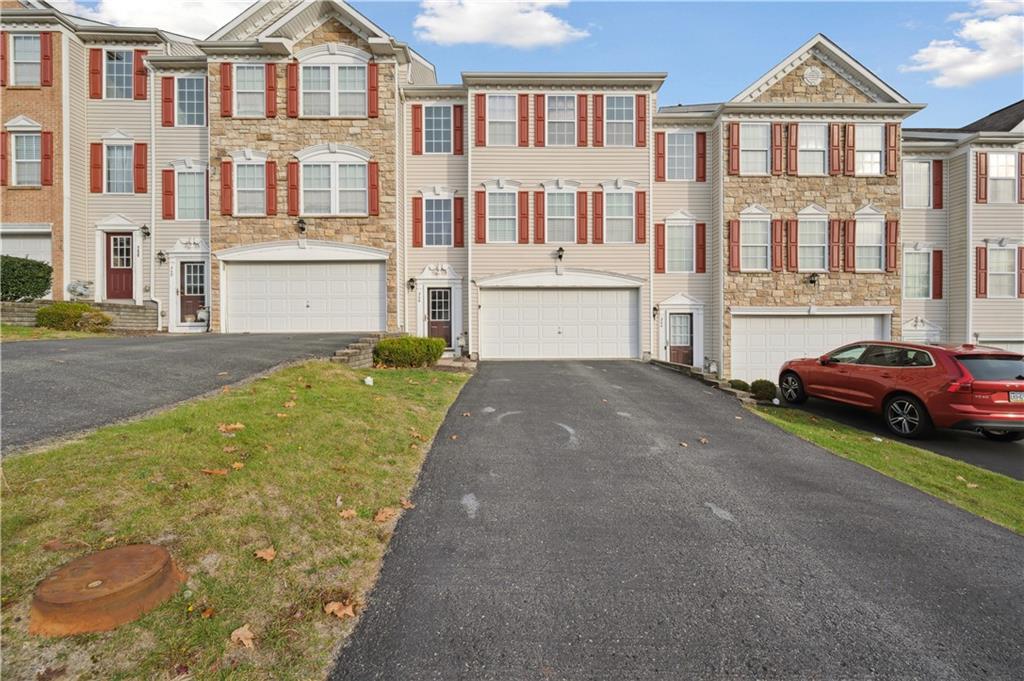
(560, 253)
(656, 311)
(812, 278)
(301, 224)
(145, 231)
(161, 257)
(411, 283)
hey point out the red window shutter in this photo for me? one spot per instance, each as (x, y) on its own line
(850, 166)
(640, 208)
(46, 156)
(3, 60)
(293, 188)
(226, 75)
(702, 156)
(96, 168)
(539, 228)
(539, 106)
(167, 101)
(458, 129)
(937, 275)
(480, 120)
(46, 59)
(835, 158)
(523, 109)
(480, 208)
(140, 84)
(1020, 271)
(981, 272)
(95, 73)
(937, 180)
(271, 177)
(598, 218)
(271, 90)
(659, 157)
(598, 122)
(641, 120)
(734, 245)
(701, 246)
(892, 236)
(417, 129)
(581, 120)
(734, 148)
(659, 247)
(1020, 177)
(792, 245)
(581, 217)
(776, 245)
(850, 264)
(372, 90)
(892, 142)
(3, 159)
(141, 168)
(227, 184)
(373, 178)
(459, 211)
(834, 244)
(524, 217)
(792, 157)
(981, 177)
(417, 222)
(291, 74)
(167, 192)
(777, 157)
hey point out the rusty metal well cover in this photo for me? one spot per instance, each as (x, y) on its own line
(103, 590)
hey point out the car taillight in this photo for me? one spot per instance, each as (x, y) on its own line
(961, 385)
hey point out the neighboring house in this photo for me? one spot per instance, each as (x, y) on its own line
(963, 239)
(302, 170)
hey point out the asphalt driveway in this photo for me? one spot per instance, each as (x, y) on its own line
(566, 534)
(55, 388)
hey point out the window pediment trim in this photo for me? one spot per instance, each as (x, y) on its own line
(248, 156)
(334, 53)
(188, 165)
(560, 185)
(812, 211)
(619, 185)
(117, 135)
(755, 210)
(500, 184)
(869, 210)
(680, 216)
(333, 151)
(22, 124)
(437, 192)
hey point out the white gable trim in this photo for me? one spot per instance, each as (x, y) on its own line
(869, 210)
(756, 210)
(22, 124)
(328, 50)
(339, 152)
(680, 216)
(813, 211)
(348, 16)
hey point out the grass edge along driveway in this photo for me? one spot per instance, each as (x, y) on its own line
(992, 496)
(308, 461)
(11, 333)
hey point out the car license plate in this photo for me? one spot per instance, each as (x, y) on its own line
(1017, 396)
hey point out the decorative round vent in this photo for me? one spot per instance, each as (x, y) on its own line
(813, 76)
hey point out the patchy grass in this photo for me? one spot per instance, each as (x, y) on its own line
(10, 333)
(316, 442)
(990, 495)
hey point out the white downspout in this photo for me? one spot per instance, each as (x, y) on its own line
(469, 231)
(152, 200)
(400, 264)
(971, 197)
(65, 72)
(648, 316)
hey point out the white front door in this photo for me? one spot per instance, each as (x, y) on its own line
(544, 323)
(282, 297)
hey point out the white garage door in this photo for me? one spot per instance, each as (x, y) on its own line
(279, 297)
(761, 344)
(558, 323)
(33, 246)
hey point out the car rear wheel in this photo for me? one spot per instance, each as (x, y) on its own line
(792, 388)
(1001, 435)
(906, 416)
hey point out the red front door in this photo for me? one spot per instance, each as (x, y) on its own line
(192, 290)
(439, 320)
(120, 258)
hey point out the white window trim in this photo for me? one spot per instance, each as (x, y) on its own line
(332, 154)
(13, 61)
(130, 143)
(607, 100)
(910, 251)
(440, 196)
(608, 191)
(235, 91)
(1013, 272)
(187, 166)
(247, 158)
(681, 131)
(692, 224)
(332, 61)
(812, 213)
(14, 157)
(767, 149)
(206, 113)
(503, 188)
(1013, 177)
(131, 72)
(489, 120)
(754, 217)
(547, 213)
(575, 120)
(451, 123)
(928, 184)
(881, 150)
(824, 167)
(858, 219)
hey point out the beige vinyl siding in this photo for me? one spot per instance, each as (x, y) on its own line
(928, 227)
(713, 317)
(959, 280)
(80, 247)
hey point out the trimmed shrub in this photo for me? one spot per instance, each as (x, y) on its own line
(763, 390)
(737, 384)
(408, 351)
(24, 279)
(68, 316)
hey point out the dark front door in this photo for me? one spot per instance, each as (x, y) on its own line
(120, 257)
(192, 290)
(439, 314)
(680, 338)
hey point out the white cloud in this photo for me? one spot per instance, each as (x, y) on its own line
(517, 23)
(195, 18)
(989, 43)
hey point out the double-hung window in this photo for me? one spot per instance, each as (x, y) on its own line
(437, 222)
(561, 120)
(191, 101)
(679, 247)
(618, 217)
(501, 120)
(437, 129)
(501, 217)
(755, 244)
(812, 150)
(251, 188)
(754, 148)
(869, 149)
(25, 59)
(917, 275)
(812, 245)
(334, 189)
(1002, 178)
(917, 180)
(250, 90)
(680, 155)
(1002, 272)
(870, 244)
(316, 90)
(191, 195)
(118, 73)
(27, 159)
(119, 175)
(333, 90)
(619, 121)
(561, 216)
(351, 83)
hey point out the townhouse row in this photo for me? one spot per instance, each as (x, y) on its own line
(302, 171)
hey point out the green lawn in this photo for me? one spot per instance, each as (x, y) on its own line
(10, 333)
(316, 443)
(990, 495)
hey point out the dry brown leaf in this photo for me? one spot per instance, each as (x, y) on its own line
(454, 437)
(238, 465)
(215, 471)
(406, 504)
(703, 440)
(683, 444)
(289, 404)
(226, 389)
(340, 610)
(308, 386)
(281, 415)
(230, 448)
(972, 485)
(207, 614)
(348, 514)
(243, 636)
(961, 478)
(268, 554)
(384, 515)
(467, 413)
(230, 427)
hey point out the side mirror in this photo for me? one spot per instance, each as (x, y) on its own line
(825, 360)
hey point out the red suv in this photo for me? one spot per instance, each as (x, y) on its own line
(918, 387)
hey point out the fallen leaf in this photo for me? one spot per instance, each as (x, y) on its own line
(51, 673)
(238, 465)
(289, 404)
(109, 539)
(340, 610)
(57, 545)
(972, 485)
(605, 401)
(207, 614)
(466, 413)
(281, 415)
(454, 437)
(961, 478)
(226, 389)
(268, 554)
(348, 514)
(308, 386)
(230, 427)
(243, 636)
(703, 440)
(683, 444)
(215, 471)
(222, 373)
(337, 502)
(384, 515)
(230, 448)
(739, 418)
(406, 504)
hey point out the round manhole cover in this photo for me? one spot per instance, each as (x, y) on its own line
(103, 590)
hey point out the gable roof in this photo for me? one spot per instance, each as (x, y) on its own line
(1004, 120)
(264, 17)
(821, 47)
